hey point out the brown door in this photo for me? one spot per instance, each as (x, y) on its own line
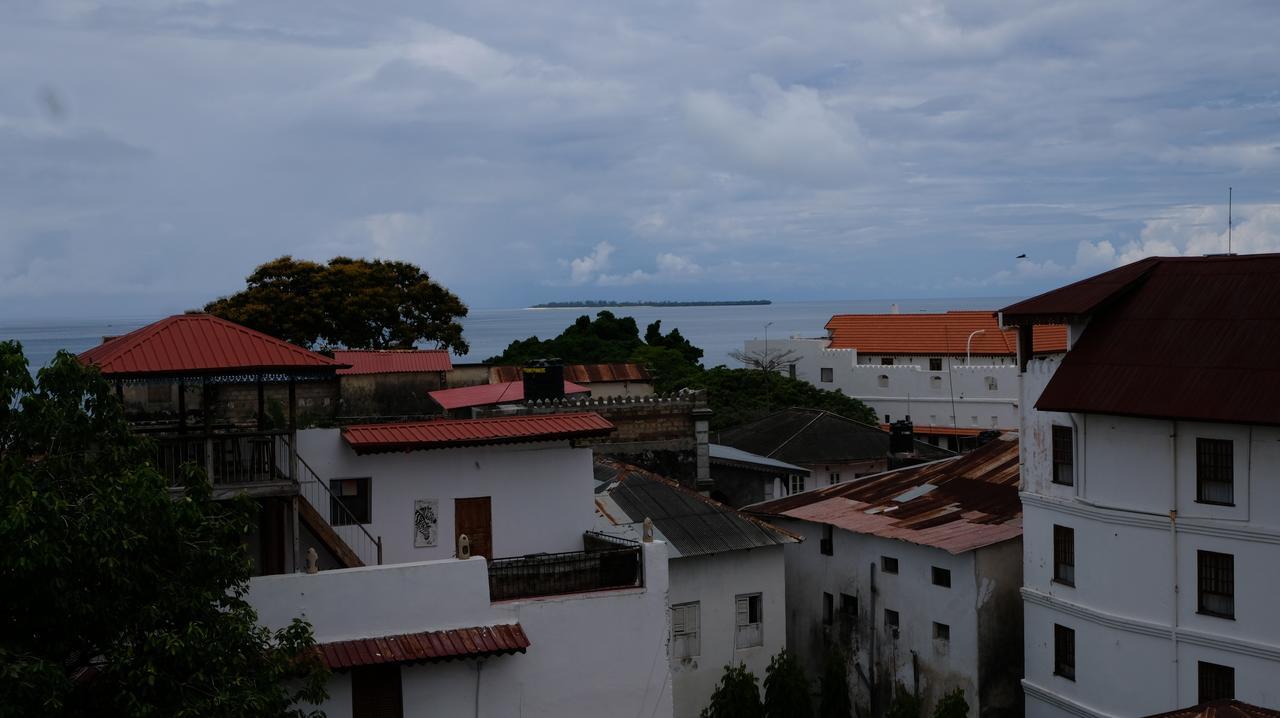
(272, 536)
(472, 517)
(375, 692)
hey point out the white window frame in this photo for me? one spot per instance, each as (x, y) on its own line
(686, 634)
(826, 375)
(748, 634)
(796, 484)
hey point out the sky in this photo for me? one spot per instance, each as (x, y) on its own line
(153, 152)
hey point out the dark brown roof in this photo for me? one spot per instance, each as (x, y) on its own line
(957, 504)
(426, 646)
(1194, 338)
(1078, 299)
(578, 373)
(1221, 709)
(814, 436)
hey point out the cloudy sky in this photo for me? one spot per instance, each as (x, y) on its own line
(153, 152)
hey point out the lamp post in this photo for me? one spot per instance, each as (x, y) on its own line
(764, 364)
(969, 344)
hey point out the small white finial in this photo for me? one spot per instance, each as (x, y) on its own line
(313, 560)
(647, 532)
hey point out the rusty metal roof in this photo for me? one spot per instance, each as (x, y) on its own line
(1221, 709)
(947, 333)
(392, 361)
(427, 646)
(1078, 299)
(507, 392)
(579, 373)
(200, 344)
(956, 504)
(448, 433)
(1193, 338)
(693, 524)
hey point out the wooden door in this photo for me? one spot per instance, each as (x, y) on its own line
(376, 692)
(473, 518)
(272, 537)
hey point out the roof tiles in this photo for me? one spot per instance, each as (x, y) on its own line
(501, 639)
(392, 361)
(946, 333)
(489, 394)
(448, 433)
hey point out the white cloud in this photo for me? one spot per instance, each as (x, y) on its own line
(584, 269)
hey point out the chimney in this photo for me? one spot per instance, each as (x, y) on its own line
(543, 379)
(902, 437)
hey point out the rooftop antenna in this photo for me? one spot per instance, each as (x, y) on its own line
(1228, 220)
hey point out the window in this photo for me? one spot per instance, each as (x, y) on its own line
(888, 564)
(685, 642)
(1216, 682)
(848, 606)
(1064, 555)
(349, 502)
(828, 609)
(159, 393)
(1063, 456)
(992, 384)
(883, 380)
(834, 477)
(797, 483)
(941, 631)
(941, 577)
(886, 361)
(891, 622)
(1217, 583)
(1215, 475)
(827, 544)
(747, 616)
(935, 364)
(1064, 652)
(827, 375)
(376, 692)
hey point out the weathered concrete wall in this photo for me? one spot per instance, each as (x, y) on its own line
(389, 395)
(999, 577)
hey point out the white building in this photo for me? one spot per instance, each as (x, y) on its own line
(954, 374)
(915, 574)
(1152, 510)
(727, 577)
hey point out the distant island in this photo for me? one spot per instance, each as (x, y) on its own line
(602, 303)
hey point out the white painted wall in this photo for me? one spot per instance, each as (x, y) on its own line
(1133, 606)
(931, 398)
(593, 654)
(541, 492)
(715, 581)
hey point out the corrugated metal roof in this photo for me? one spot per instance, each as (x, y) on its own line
(1221, 709)
(1078, 298)
(490, 394)
(200, 344)
(1191, 338)
(446, 433)
(813, 436)
(579, 373)
(392, 361)
(427, 646)
(946, 430)
(691, 523)
(946, 333)
(970, 501)
(728, 454)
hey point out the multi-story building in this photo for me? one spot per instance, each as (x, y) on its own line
(954, 374)
(1150, 456)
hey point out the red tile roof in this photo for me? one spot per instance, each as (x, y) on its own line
(579, 373)
(502, 639)
(392, 361)
(200, 344)
(446, 433)
(508, 392)
(1221, 709)
(1192, 338)
(956, 505)
(935, 334)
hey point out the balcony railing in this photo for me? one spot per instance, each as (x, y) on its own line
(228, 459)
(607, 563)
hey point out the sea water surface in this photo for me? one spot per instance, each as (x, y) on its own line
(717, 330)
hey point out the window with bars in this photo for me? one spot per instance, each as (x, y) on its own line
(377, 692)
(797, 483)
(1063, 456)
(827, 544)
(1217, 682)
(941, 577)
(685, 640)
(1064, 555)
(888, 564)
(848, 605)
(891, 622)
(828, 609)
(1215, 472)
(935, 363)
(826, 374)
(349, 502)
(1217, 584)
(1064, 652)
(748, 620)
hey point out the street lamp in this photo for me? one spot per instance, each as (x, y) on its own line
(969, 343)
(764, 364)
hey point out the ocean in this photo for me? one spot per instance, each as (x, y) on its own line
(717, 330)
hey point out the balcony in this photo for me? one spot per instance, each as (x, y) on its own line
(254, 461)
(605, 563)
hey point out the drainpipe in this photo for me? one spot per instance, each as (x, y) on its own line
(1173, 537)
(871, 664)
(479, 665)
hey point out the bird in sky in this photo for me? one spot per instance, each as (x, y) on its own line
(1021, 256)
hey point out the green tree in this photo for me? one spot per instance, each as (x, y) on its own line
(654, 337)
(119, 600)
(786, 689)
(353, 303)
(738, 396)
(736, 696)
(952, 705)
(834, 700)
(605, 339)
(905, 704)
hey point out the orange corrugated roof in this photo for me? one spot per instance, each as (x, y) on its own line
(445, 433)
(392, 361)
(936, 334)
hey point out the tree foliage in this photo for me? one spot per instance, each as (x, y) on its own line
(118, 599)
(353, 303)
(738, 396)
(786, 689)
(736, 696)
(952, 705)
(607, 339)
(905, 704)
(834, 700)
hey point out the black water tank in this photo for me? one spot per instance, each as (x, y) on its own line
(543, 379)
(902, 437)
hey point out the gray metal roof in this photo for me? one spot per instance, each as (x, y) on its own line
(692, 524)
(721, 452)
